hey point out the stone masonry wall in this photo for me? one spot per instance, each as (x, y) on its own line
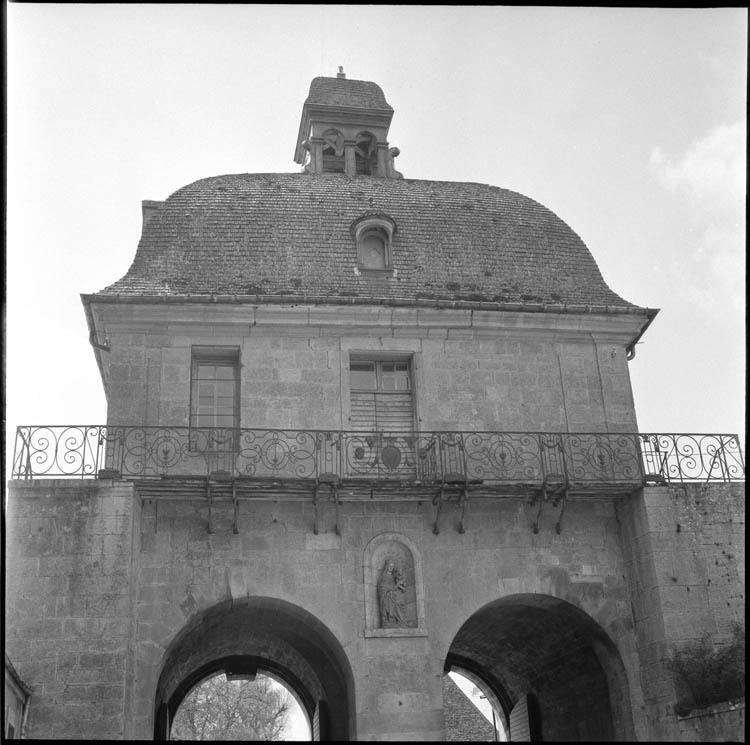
(69, 618)
(685, 552)
(184, 571)
(299, 377)
(720, 723)
(463, 721)
(92, 606)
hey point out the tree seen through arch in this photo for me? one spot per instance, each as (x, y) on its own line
(239, 708)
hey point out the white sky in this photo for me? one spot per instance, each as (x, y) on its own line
(627, 123)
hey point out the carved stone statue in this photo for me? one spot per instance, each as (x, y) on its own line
(309, 166)
(393, 153)
(391, 600)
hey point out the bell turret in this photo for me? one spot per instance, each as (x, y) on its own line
(344, 129)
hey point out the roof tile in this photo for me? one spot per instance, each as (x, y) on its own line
(289, 234)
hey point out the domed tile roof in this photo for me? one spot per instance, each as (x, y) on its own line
(348, 93)
(291, 235)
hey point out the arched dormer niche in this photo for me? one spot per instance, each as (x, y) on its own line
(373, 234)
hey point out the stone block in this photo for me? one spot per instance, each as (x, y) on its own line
(688, 624)
(110, 660)
(392, 702)
(108, 604)
(104, 630)
(93, 676)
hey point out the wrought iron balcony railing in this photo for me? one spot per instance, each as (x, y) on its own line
(487, 457)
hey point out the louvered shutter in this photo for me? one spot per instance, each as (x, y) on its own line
(520, 730)
(363, 417)
(382, 412)
(393, 412)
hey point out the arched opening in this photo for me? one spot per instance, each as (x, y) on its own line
(333, 151)
(471, 708)
(550, 667)
(231, 705)
(263, 635)
(366, 154)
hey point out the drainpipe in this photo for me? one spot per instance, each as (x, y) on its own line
(630, 349)
(92, 340)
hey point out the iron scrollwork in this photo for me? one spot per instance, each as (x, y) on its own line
(427, 457)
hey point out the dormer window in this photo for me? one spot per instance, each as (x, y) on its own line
(374, 234)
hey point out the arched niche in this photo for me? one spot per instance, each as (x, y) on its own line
(394, 587)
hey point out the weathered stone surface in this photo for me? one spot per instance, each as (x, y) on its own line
(719, 723)
(94, 626)
(554, 377)
(69, 617)
(675, 545)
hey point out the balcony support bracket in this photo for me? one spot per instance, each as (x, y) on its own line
(236, 505)
(438, 500)
(209, 496)
(315, 507)
(335, 497)
(463, 501)
(441, 497)
(562, 499)
(554, 489)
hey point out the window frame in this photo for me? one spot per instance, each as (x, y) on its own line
(379, 358)
(379, 372)
(224, 356)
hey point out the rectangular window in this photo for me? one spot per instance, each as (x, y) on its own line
(214, 397)
(381, 399)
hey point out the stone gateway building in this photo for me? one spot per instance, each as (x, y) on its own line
(364, 430)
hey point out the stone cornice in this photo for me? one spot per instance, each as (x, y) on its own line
(294, 301)
(605, 324)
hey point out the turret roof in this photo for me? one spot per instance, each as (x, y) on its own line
(361, 94)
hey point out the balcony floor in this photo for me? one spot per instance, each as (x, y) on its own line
(355, 490)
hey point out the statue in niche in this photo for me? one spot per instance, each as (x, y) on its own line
(391, 595)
